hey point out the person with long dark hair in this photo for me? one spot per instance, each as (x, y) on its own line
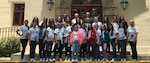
(113, 35)
(106, 23)
(122, 41)
(132, 33)
(104, 41)
(35, 19)
(42, 36)
(23, 37)
(92, 40)
(84, 42)
(33, 36)
(49, 42)
(58, 20)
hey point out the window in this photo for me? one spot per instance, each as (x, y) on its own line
(18, 14)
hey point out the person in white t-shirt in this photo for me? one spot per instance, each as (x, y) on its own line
(49, 43)
(122, 40)
(23, 38)
(98, 43)
(58, 33)
(66, 32)
(96, 22)
(132, 33)
(33, 36)
(113, 35)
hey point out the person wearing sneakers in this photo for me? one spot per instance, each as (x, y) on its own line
(75, 41)
(113, 35)
(66, 32)
(49, 43)
(84, 38)
(132, 33)
(42, 36)
(104, 41)
(23, 38)
(58, 33)
(33, 36)
(121, 40)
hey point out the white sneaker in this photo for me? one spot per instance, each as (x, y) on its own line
(113, 59)
(65, 59)
(106, 60)
(60, 59)
(53, 59)
(22, 60)
(82, 59)
(68, 59)
(103, 59)
(72, 60)
(134, 59)
(50, 60)
(32, 60)
(41, 59)
(76, 60)
(47, 59)
(99, 60)
(90, 59)
(122, 59)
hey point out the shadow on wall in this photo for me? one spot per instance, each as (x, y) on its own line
(135, 8)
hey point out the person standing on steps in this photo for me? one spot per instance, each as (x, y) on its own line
(33, 36)
(75, 41)
(42, 36)
(23, 37)
(132, 33)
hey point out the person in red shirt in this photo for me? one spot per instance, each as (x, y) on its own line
(92, 38)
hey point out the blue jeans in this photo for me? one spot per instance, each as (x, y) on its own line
(113, 43)
(75, 48)
(95, 51)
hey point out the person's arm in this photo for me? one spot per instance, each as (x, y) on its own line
(29, 35)
(136, 34)
(17, 31)
(47, 36)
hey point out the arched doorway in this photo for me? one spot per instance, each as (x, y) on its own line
(82, 6)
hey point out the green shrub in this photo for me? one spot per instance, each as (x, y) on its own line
(9, 45)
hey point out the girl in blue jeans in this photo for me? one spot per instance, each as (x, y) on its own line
(113, 35)
(75, 41)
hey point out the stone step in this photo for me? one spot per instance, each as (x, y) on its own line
(16, 57)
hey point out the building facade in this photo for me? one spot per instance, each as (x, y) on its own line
(13, 12)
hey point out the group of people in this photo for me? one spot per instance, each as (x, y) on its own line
(78, 37)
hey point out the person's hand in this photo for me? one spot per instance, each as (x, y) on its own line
(29, 42)
(56, 41)
(20, 34)
(37, 42)
(116, 41)
(48, 40)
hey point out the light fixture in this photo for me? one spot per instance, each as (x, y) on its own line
(124, 4)
(50, 4)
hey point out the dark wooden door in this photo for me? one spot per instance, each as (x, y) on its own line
(82, 6)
